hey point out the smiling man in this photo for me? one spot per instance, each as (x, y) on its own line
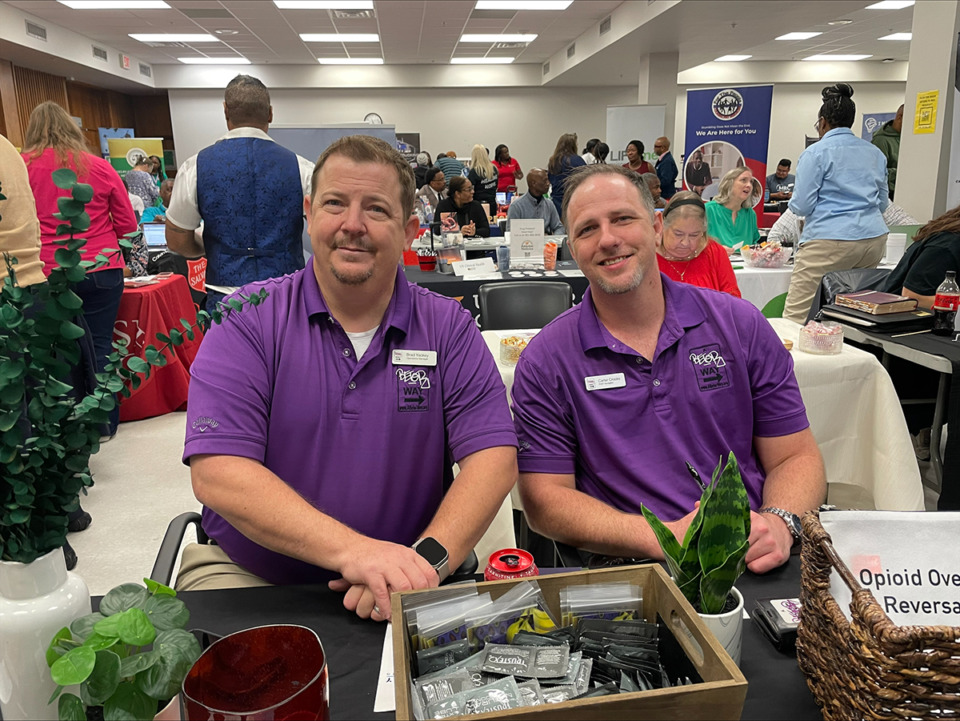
(612, 397)
(323, 424)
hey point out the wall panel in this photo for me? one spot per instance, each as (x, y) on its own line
(32, 88)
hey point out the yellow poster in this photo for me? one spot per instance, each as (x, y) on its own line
(125, 151)
(925, 121)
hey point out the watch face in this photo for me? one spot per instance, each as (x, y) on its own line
(434, 553)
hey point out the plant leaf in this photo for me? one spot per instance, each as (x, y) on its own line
(128, 595)
(129, 702)
(55, 650)
(177, 650)
(158, 589)
(99, 642)
(166, 612)
(83, 626)
(132, 665)
(82, 192)
(135, 628)
(715, 586)
(70, 708)
(73, 667)
(64, 178)
(673, 552)
(103, 681)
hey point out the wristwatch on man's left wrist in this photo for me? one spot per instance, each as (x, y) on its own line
(435, 554)
(791, 519)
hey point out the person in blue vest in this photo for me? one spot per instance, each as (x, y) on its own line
(248, 193)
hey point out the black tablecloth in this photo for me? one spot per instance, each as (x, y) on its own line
(353, 647)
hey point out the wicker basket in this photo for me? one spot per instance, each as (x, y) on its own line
(869, 668)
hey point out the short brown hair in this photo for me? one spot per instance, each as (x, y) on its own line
(247, 100)
(367, 149)
(582, 174)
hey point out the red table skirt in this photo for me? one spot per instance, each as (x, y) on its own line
(144, 312)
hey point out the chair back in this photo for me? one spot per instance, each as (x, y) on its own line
(522, 304)
(845, 281)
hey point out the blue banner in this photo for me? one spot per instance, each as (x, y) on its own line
(872, 123)
(726, 128)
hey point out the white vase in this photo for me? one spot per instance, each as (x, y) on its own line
(728, 627)
(36, 600)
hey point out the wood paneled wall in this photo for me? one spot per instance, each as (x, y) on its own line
(31, 88)
(98, 108)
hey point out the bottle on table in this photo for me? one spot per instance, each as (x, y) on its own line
(945, 305)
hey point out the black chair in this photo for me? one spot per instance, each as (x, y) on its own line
(845, 281)
(522, 304)
(172, 540)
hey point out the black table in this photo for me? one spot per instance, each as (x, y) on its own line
(776, 687)
(454, 286)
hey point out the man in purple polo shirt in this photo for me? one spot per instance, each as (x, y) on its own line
(322, 424)
(612, 397)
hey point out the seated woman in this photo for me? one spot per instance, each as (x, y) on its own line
(686, 254)
(730, 214)
(468, 212)
(935, 250)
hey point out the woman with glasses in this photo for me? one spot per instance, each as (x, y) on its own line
(841, 191)
(685, 253)
(468, 212)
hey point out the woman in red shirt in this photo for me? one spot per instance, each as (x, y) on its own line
(686, 254)
(508, 168)
(635, 160)
(54, 141)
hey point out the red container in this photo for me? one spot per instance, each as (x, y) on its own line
(265, 673)
(427, 262)
(510, 564)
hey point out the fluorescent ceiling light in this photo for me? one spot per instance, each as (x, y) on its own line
(732, 58)
(486, 38)
(174, 38)
(324, 4)
(890, 5)
(837, 58)
(898, 36)
(350, 61)
(481, 61)
(798, 36)
(340, 37)
(115, 4)
(214, 61)
(523, 4)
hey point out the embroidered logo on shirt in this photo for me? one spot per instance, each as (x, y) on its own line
(413, 390)
(709, 367)
(203, 423)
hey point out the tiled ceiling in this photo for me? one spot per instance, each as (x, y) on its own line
(411, 31)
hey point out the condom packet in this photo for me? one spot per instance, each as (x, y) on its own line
(446, 622)
(610, 601)
(526, 661)
(432, 598)
(443, 687)
(472, 666)
(625, 627)
(500, 695)
(558, 694)
(570, 676)
(526, 638)
(530, 693)
(522, 608)
(607, 689)
(438, 658)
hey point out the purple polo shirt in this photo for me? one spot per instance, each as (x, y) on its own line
(370, 443)
(719, 377)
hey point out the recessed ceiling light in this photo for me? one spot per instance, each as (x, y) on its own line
(350, 61)
(481, 61)
(324, 4)
(523, 4)
(214, 61)
(340, 37)
(798, 36)
(488, 38)
(888, 60)
(174, 38)
(842, 21)
(898, 36)
(115, 4)
(890, 5)
(837, 58)
(226, 32)
(732, 58)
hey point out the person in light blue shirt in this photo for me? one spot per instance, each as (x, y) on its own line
(841, 189)
(159, 211)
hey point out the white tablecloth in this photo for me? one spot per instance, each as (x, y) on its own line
(761, 285)
(855, 417)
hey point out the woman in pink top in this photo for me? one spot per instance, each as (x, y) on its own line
(54, 141)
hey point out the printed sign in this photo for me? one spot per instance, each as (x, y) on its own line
(526, 240)
(125, 151)
(925, 120)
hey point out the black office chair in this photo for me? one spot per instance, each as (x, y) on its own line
(522, 304)
(172, 540)
(845, 281)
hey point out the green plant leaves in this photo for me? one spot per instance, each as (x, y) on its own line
(158, 589)
(69, 208)
(121, 598)
(82, 627)
(70, 708)
(132, 665)
(64, 178)
(177, 650)
(55, 650)
(129, 703)
(82, 193)
(131, 626)
(74, 666)
(103, 681)
(166, 612)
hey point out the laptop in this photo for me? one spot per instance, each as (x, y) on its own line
(155, 235)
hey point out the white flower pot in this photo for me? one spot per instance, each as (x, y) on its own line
(728, 627)
(36, 600)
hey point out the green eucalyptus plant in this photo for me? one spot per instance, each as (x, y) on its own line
(126, 657)
(47, 433)
(713, 553)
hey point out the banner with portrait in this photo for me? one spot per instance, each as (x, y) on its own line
(726, 128)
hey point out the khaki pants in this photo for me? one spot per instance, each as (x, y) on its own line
(205, 567)
(817, 257)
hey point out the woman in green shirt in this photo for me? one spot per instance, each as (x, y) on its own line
(730, 214)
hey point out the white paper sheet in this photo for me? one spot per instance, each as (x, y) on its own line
(571, 273)
(386, 700)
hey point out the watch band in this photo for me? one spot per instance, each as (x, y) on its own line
(791, 519)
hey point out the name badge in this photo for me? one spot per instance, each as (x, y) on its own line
(414, 357)
(602, 383)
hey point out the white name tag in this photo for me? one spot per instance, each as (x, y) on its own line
(601, 383)
(477, 265)
(414, 357)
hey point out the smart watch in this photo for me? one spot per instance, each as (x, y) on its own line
(435, 554)
(791, 519)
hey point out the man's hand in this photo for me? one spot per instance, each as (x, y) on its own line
(376, 568)
(770, 542)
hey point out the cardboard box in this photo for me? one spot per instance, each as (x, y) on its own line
(720, 696)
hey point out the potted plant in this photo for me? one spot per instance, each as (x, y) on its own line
(126, 658)
(47, 435)
(713, 554)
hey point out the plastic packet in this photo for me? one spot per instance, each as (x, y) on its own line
(558, 694)
(521, 608)
(438, 658)
(526, 661)
(570, 676)
(471, 665)
(527, 638)
(500, 695)
(443, 687)
(641, 629)
(428, 599)
(607, 689)
(530, 693)
(446, 622)
(609, 601)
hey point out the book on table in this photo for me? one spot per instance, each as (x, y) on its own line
(875, 302)
(917, 319)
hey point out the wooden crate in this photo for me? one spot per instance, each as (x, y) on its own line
(720, 696)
